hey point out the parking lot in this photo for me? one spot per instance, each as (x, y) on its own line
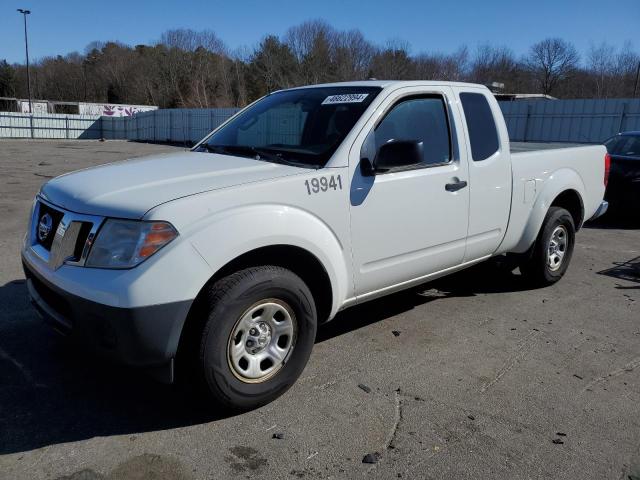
(472, 376)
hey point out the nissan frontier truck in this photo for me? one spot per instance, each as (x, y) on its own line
(217, 264)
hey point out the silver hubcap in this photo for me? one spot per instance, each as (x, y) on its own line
(262, 341)
(557, 247)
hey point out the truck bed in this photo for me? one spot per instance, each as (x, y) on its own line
(540, 172)
(517, 147)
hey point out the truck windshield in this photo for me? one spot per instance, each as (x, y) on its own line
(302, 126)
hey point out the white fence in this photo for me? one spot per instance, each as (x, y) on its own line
(49, 125)
(180, 125)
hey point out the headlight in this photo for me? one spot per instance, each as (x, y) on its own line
(126, 243)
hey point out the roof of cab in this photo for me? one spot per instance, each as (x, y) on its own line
(391, 83)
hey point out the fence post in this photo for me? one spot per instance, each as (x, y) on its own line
(31, 123)
(622, 114)
(526, 122)
(66, 126)
(184, 132)
(189, 124)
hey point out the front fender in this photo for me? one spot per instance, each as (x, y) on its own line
(556, 183)
(234, 232)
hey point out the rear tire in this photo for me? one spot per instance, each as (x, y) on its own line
(258, 334)
(550, 255)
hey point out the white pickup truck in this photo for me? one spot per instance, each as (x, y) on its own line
(219, 262)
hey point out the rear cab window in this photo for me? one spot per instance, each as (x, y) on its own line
(483, 134)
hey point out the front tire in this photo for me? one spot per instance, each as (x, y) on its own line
(258, 335)
(550, 255)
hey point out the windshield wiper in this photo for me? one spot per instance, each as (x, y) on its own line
(244, 150)
(257, 153)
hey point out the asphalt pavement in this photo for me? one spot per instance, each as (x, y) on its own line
(472, 376)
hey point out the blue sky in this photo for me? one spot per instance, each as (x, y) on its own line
(60, 27)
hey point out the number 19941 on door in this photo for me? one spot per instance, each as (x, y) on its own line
(323, 184)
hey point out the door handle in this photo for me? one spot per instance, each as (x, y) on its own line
(455, 186)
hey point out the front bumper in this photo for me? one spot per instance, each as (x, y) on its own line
(137, 336)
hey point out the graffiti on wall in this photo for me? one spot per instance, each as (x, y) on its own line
(112, 110)
(38, 107)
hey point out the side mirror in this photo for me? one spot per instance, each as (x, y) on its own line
(398, 153)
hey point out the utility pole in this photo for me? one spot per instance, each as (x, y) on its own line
(26, 46)
(635, 87)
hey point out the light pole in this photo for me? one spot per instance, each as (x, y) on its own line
(26, 46)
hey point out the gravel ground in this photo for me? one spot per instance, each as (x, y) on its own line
(472, 376)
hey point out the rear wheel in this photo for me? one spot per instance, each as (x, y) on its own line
(257, 337)
(549, 257)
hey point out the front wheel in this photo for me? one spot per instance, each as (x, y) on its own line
(549, 257)
(257, 337)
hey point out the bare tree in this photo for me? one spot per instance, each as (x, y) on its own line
(627, 63)
(601, 63)
(352, 55)
(438, 66)
(273, 66)
(240, 59)
(313, 44)
(302, 38)
(494, 64)
(552, 61)
(393, 62)
(188, 68)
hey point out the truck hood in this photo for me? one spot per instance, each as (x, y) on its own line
(130, 188)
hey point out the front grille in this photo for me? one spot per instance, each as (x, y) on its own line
(56, 216)
(83, 234)
(70, 236)
(65, 245)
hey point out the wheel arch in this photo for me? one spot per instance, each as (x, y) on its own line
(564, 188)
(300, 261)
(297, 259)
(571, 201)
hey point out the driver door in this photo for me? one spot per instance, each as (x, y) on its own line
(408, 223)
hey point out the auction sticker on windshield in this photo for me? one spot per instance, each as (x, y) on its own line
(345, 98)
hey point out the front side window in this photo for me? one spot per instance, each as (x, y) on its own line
(483, 134)
(302, 127)
(419, 119)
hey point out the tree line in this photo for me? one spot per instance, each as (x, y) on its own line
(195, 69)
